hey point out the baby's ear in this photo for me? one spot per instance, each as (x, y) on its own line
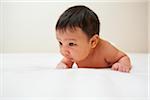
(94, 41)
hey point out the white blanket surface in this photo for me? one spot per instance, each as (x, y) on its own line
(34, 75)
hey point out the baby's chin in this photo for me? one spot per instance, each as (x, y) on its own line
(76, 60)
(70, 59)
(73, 60)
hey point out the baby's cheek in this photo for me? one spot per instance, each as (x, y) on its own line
(78, 53)
(76, 56)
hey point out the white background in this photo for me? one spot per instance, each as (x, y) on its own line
(29, 26)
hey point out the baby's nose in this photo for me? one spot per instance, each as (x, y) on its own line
(64, 51)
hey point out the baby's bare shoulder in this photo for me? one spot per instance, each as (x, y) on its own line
(111, 53)
(108, 47)
(108, 50)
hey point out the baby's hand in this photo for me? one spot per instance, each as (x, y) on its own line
(121, 67)
(61, 66)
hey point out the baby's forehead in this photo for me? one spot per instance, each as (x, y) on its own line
(76, 33)
(67, 37)
(69, 30)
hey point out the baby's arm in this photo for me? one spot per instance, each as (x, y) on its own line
(65, 63)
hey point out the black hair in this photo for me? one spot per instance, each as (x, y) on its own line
(81, 17)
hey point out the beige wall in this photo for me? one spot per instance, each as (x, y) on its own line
(29, 27)
(149, 26)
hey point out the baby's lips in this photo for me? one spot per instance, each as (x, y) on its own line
(72, 59)
(69, 58)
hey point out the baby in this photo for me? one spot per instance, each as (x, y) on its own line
(77, 31)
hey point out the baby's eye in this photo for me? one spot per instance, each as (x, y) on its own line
(72, 44)
(60, 43)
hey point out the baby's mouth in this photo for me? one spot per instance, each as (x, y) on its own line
(69, 57)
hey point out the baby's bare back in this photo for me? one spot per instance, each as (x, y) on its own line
(103, 56)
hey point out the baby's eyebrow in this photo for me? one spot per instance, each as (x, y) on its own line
(66, 39)
(70, 39)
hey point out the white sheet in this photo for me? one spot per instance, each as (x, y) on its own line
(34, 75)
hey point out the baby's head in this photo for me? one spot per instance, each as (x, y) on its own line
(79, 17)
(77, 31)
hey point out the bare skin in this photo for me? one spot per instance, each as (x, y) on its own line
(77, 48)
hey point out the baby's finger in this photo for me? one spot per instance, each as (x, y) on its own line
(120, 69)
(124, 69)
(127, 70)
(115, 67)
